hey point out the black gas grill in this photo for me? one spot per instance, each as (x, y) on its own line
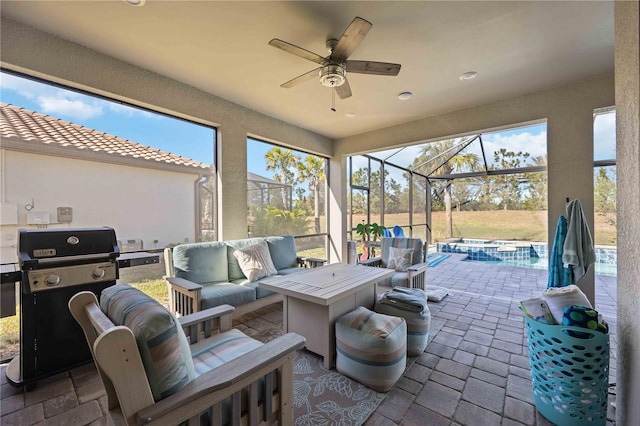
(56, 264)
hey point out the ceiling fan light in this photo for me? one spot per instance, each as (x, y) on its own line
(332, 76)
(405, 95)
(135, 2)
(469, 75)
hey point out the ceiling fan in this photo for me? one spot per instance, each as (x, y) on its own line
(333, 68)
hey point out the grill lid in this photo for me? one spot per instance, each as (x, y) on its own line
(47, 245)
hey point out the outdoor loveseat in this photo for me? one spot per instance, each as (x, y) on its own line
(154, 373)
(208, 274)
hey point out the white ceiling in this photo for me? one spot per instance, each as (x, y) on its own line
(221, 47)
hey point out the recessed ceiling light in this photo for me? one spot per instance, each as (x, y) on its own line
(350, 114)
(135, 2)
(470, 75)
(405, 95)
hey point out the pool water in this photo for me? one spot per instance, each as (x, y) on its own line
(540, 263)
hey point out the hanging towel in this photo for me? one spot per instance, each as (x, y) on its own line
(578, 245)
(559, 276)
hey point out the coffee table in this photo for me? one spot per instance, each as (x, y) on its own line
(314, 299)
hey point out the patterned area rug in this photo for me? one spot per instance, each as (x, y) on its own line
(326, 397)
(321, 397)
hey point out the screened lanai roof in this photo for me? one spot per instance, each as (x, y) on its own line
(255, 181)
(430, 158)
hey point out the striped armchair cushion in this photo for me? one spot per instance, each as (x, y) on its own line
(402, 243)
(221, 348)
(161, 341)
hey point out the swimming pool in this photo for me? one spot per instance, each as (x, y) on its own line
(539, 263)
(521, 254)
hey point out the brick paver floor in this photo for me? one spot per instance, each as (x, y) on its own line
(474, 372)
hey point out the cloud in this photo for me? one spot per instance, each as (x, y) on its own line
(24, 87)
(75, 108)
(130, 111)
(64, 103)
(534, 144)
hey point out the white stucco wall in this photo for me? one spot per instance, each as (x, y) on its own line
(627, 20)
(138, 203)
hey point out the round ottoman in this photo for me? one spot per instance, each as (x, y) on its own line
(371, 348)
(410, 304)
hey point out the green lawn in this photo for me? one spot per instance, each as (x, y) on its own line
(499, 225)
(10, 326)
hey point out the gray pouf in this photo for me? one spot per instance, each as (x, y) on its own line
(371, 348)
(410, 304)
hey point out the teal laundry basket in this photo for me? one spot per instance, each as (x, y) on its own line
(570, 374)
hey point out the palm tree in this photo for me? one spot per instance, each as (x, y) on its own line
(283, 162)
(434, 160)
(312, 170)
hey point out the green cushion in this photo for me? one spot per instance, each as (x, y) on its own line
(283, 251)
(201, 262)
(161, 341)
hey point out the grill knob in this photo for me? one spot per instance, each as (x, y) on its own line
(52, 280)
(98, 273)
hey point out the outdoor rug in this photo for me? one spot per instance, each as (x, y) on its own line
(434, 259)
(326, 397)
(321, 397)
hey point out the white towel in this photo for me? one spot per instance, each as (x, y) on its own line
(578, 245)
(558, 298)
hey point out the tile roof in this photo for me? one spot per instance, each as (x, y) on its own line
(32, 127)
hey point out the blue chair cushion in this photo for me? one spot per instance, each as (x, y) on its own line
(283, 251)
(260, 292)
(161, 341)
(221, 293)
(201, 262)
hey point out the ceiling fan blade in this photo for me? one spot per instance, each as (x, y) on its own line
(298, 51)
(351, 39)
(344, 90)
(377, 68)
(302, 78)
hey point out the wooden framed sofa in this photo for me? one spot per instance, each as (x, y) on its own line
(160, 370)
(208, 274)
(405, 255)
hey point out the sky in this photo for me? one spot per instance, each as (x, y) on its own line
(197, 141)
(156, 130)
